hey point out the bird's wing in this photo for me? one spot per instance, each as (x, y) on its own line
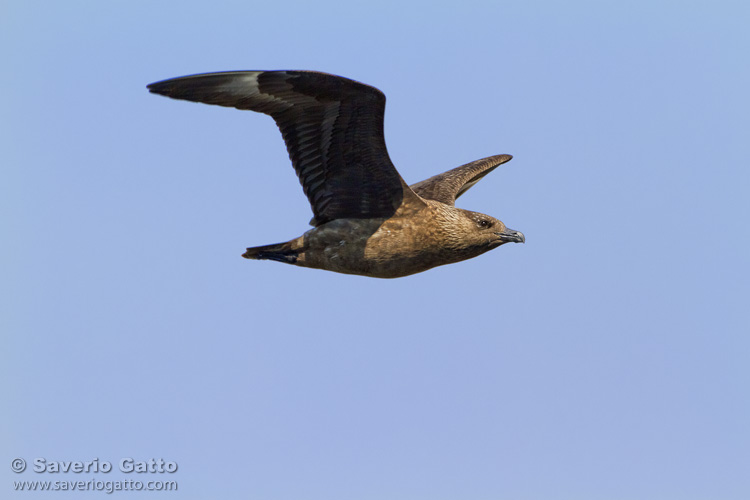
(332, 127)
(448, 186)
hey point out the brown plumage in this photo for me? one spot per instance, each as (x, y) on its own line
(367, 220)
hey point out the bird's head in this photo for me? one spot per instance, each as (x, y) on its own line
(477, 233)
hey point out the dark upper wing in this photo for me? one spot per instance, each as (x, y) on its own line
(448, 186)
(332, 127)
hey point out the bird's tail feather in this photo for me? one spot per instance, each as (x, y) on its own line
(281, 252)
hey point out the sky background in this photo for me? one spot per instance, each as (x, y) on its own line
(608, 358)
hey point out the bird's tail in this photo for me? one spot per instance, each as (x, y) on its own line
(281, 252)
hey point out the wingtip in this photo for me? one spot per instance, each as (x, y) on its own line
(156, 87)
(496, 159)
(168, 86)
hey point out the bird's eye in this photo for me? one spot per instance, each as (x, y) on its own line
(484, 223)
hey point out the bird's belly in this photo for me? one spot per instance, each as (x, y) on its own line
(381, 249)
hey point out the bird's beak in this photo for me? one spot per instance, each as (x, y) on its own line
(511, 236)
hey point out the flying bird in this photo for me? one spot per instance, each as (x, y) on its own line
(367, 220)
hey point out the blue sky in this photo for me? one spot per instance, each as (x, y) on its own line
(607, 358)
